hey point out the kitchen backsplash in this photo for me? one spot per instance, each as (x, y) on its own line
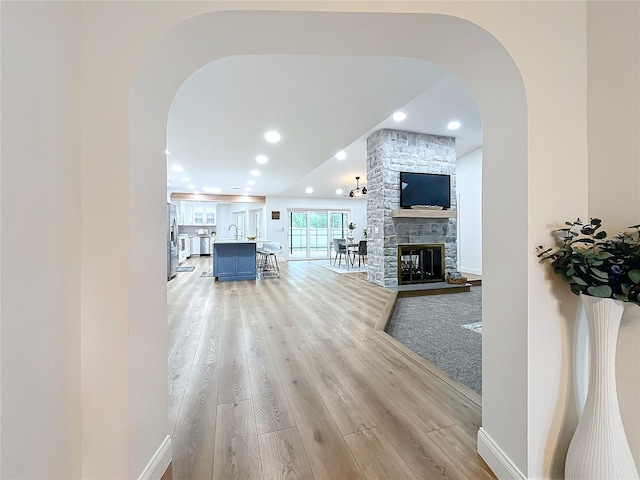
(193, 230)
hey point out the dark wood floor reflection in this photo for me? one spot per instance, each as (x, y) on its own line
(286, 378)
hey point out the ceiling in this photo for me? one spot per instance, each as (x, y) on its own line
(320, 105)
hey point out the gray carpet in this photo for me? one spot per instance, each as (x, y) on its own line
(436, 327)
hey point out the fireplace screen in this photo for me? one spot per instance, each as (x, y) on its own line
(420, 263)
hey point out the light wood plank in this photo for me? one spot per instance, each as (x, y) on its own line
(196, 426)
(345, 409)
(236, 455)
(283, 456)
(404, 432)
(328, 453)
(269, 320)
(457, 445)
(269, 400)
(234, 372)
(377, 457)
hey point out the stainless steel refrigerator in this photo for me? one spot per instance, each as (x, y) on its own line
(172, 241)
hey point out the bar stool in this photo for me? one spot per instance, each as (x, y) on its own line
(267, 263)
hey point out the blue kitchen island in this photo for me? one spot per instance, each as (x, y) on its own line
(234, 260)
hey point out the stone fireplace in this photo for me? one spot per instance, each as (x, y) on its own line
(390, 152)
(420, 263)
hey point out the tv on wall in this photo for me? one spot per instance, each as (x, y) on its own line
(425, 189)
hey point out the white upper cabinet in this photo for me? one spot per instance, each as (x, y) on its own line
(196, 213)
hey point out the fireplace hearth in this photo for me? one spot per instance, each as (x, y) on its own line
(420, 263)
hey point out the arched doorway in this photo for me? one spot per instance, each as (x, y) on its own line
(459, 46)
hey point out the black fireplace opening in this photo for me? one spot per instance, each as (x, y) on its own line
(420, 264)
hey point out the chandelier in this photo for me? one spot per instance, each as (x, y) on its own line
(358, 192)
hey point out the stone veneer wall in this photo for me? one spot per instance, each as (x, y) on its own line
(390, 152)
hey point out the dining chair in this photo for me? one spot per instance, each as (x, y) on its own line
(340, 248)
(362, 252)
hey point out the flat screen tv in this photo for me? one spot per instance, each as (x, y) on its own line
(425, 189)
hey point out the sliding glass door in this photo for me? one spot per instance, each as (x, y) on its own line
(311, 232)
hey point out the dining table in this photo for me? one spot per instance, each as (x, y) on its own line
(352, 248)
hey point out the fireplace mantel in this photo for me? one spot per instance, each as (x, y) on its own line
(415, 213)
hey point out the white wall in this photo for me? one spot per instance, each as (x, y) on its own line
(614, 166)
(277, 229)
(41, 431)
(226, 215)
(129, 75)
(469, 188)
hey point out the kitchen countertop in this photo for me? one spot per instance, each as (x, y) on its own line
(233, 240)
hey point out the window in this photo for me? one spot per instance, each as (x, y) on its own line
(311, 232)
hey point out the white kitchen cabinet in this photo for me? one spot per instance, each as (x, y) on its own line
(197, 213)
(195, 245)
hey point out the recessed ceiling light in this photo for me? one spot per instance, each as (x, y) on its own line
(454, 125)
(255, 173)
(185, 179)
(272, 136)
(212, 189)
(308, 190)
(176, 168)
(341, 155)
(399, 116)
(339, 191)
(251, 182)
(262, 159)
(167, 152)
(191, 187)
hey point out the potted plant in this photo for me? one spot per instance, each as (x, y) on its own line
(596, 265)
(352, 227)
(605, 272)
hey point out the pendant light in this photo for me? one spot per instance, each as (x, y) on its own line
(358, 192)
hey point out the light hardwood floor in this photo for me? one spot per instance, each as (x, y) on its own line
(287, 379)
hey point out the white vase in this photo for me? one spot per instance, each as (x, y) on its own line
(599, 448)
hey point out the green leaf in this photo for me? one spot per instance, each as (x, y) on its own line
(604, 255)
(602, 291)
(570, 272)
(601, 235)
(578, 280)
(577, 289)
(601, 274)
(634, 276)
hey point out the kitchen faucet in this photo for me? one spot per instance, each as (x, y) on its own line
(233, 225)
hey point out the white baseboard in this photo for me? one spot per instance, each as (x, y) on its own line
(498, 461)
(475, 271)
(159, 462)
